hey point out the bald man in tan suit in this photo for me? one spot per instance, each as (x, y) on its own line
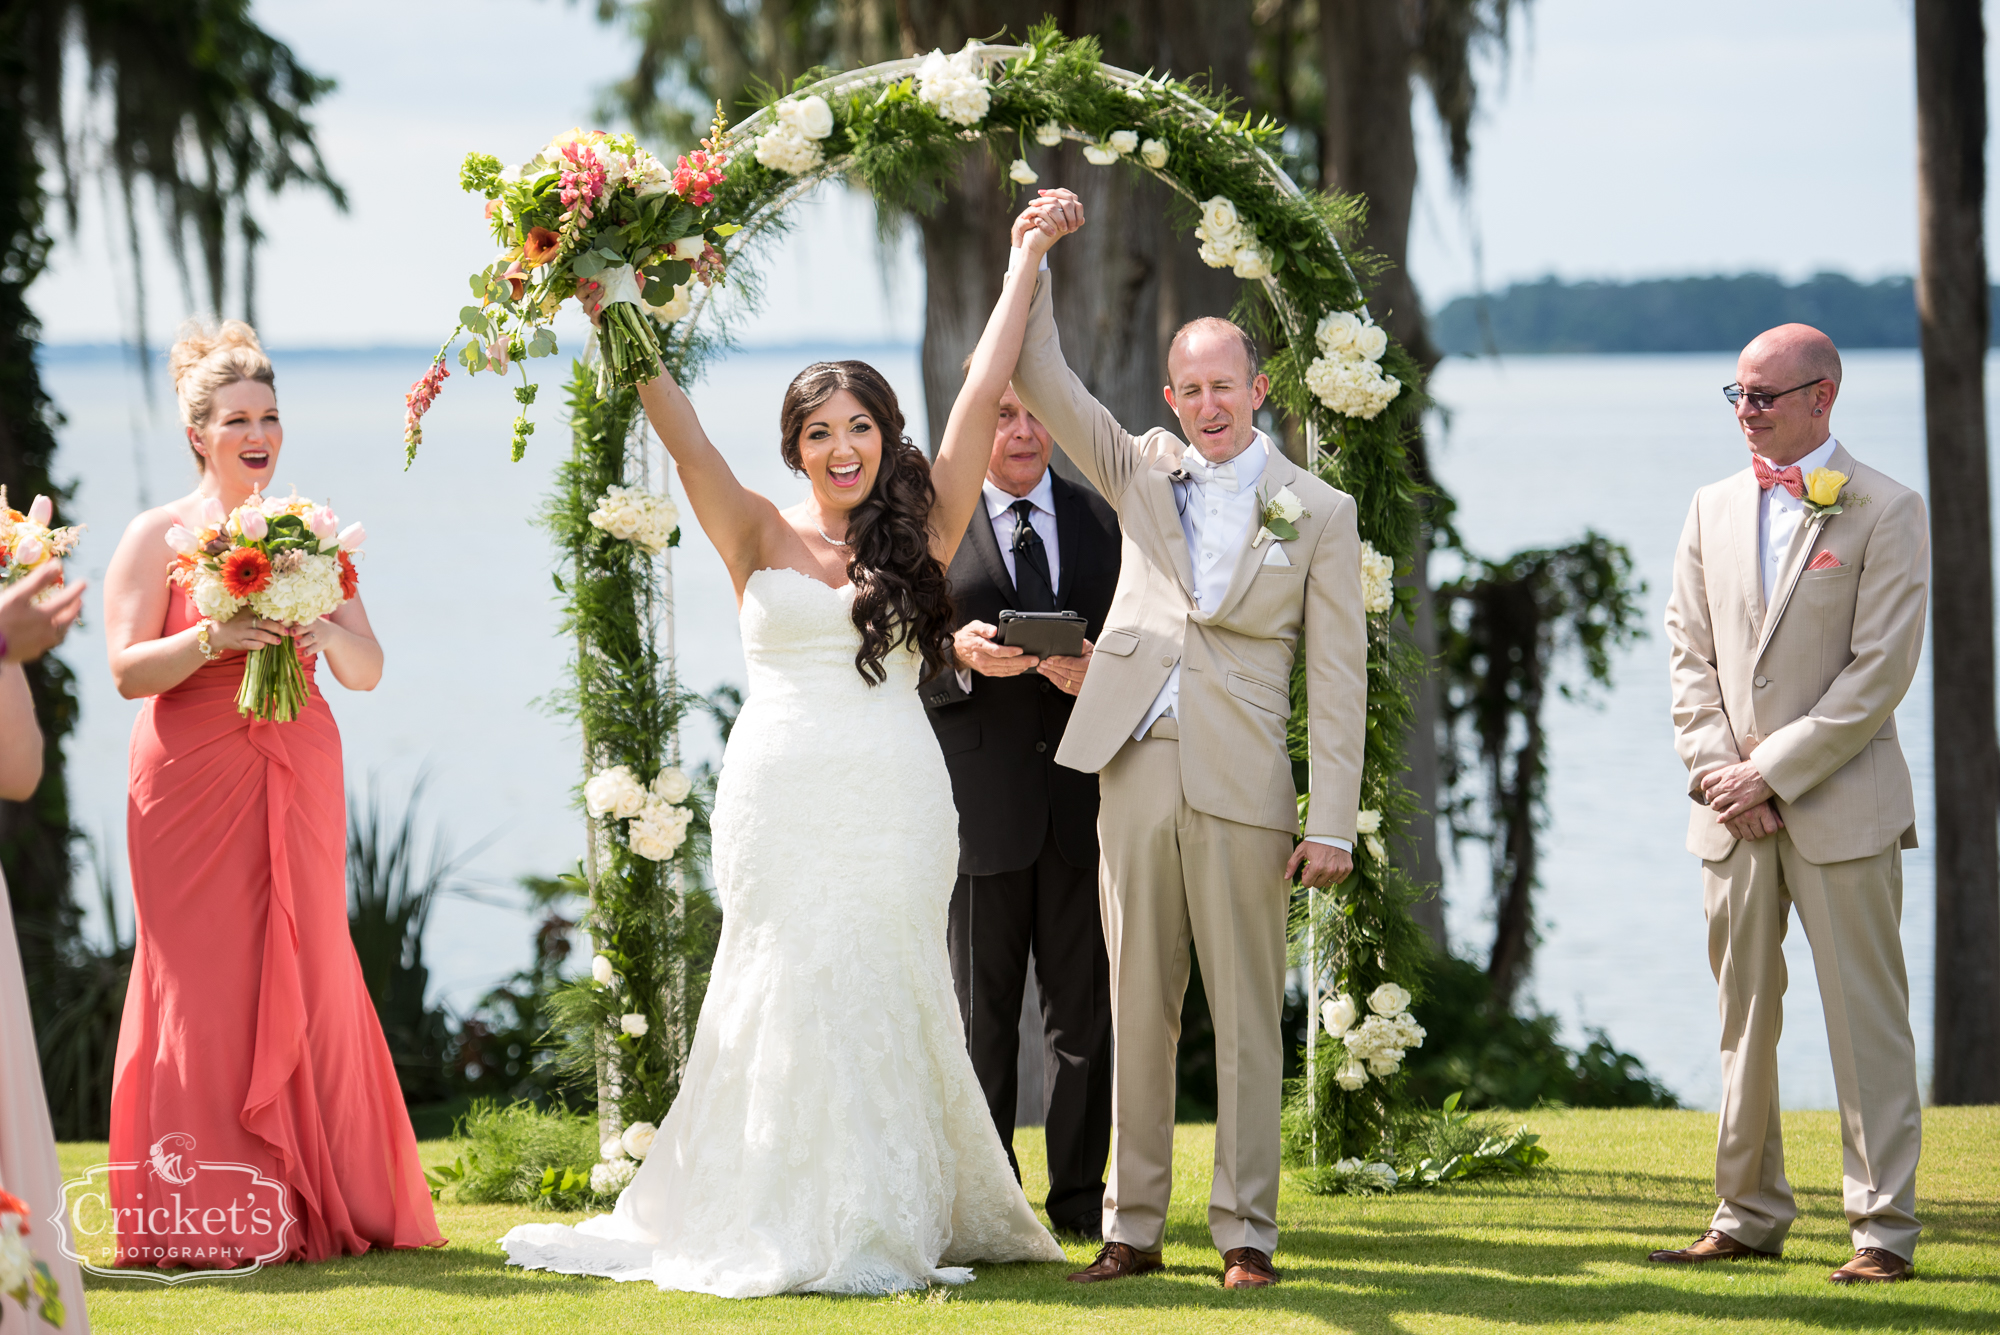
(1795, 624)
(1183, 717)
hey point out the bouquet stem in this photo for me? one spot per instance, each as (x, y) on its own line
(274, 684)
(629, 345)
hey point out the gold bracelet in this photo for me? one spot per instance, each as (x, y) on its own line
(201, 639)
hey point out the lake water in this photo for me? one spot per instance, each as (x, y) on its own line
(457, 583)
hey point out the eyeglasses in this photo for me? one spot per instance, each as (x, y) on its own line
(1762, 402)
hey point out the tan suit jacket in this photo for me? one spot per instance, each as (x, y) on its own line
(1806, 688)
(1235, 696)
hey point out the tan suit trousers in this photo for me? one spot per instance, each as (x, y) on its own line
(1174, 875)
(1851, 912)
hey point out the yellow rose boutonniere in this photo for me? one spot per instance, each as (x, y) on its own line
(1823, 491)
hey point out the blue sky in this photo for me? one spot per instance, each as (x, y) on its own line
(1619, 141)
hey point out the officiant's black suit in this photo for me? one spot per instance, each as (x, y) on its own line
(1027, 862)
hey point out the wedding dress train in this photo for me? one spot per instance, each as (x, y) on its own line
(830, 1135)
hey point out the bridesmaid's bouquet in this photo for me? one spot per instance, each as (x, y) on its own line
(287, 560)
(27, 542)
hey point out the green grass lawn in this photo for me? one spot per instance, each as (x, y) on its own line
(1564, 1250)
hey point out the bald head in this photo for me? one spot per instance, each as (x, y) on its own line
(1212, 331)
(1795, 370)
(1799, 350)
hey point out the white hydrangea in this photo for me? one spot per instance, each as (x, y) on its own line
(1353, 387)
(211, 598)
(615, 792)
(636, 515)
(658, 830)
(17, 1259)
(613, 1175)
(306, 592)
(955, 86)
(1378, 572)
(782, 148)
(673, 785)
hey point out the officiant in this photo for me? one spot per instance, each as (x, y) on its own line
(1027, 827)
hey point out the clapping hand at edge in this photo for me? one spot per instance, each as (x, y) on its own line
(32, 630)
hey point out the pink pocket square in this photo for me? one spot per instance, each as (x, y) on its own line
(1824, 561)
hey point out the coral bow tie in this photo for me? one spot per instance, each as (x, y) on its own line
(1768, 477)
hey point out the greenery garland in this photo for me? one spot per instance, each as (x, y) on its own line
(900, 129)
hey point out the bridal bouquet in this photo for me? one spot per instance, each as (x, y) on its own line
(26, 540)
(286, 560)
(589, 208)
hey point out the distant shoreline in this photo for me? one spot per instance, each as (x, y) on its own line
(72, 353)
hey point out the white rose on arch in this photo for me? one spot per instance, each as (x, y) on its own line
(1353, 1075)
(1337, 1014)
(1378, 592)
(611, 1150)
(1099, 155)
(1048, 134)
(1021, 173)
(1389, 1000)
(633, 1025)
(1123, 142)
(601, 970)
(1153, 153)
(810, 116)
(673, 785)
(615, 792)
(638, 1139)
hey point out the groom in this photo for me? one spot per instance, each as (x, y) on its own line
(1183, 718)
(1795, 622)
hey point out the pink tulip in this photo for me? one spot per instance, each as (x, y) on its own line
(250, 522)
(212, 513)
(324, 523)
(41, 512)
(183, 540)
(352, 537)
(30, 552)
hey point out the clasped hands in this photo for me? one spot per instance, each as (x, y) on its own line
(1741, 800)
(978, 650)
(246, 631)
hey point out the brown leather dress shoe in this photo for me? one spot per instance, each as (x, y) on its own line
(1872, 1265)
(1118, 1260)
(1714, 1245)
(1247, 1268)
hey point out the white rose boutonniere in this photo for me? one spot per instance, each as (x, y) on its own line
(1279, 516)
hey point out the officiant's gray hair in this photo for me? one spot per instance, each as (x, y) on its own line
(1216, 324)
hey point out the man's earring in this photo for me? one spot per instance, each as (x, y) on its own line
(1818, 411)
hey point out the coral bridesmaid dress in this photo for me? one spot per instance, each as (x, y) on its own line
(248, 1036)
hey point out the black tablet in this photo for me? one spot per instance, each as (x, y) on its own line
(1044, 634)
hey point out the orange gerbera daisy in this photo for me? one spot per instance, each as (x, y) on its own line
(246, 571)
(350, 579)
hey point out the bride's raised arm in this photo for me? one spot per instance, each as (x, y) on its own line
(741, 523)
(961, 460)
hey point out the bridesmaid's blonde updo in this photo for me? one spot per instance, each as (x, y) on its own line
(205, 358)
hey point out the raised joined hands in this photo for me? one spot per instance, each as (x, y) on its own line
(1048, 220)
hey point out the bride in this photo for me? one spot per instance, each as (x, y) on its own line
(830, 1135)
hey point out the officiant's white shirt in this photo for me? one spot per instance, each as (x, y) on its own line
(1779, 518)
(999, 507)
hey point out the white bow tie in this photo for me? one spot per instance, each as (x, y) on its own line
(1222, 475)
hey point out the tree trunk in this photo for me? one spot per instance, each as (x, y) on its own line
(1367, 52)
(1953, 315)
(34, 835)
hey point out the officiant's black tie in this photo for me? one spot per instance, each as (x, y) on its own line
(1034, 590)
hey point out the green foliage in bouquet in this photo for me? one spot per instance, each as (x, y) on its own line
(900, 129)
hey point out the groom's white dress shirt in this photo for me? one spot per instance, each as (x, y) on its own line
(1779, 518)
(1220, 513)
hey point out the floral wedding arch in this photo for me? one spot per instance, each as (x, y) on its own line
(899, 128)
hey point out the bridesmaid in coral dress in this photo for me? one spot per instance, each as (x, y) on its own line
(248, 1036)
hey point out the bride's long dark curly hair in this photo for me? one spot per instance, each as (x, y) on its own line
(900, 593)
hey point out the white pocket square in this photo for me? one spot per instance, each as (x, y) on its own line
(1274, 555)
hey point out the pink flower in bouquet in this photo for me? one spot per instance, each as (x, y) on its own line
(496, 352)
(212, 513)
(41, 512)
(352, 537)
(708, 265)
(250, 522)
(540, 246)
(183, 540)
(582, 180)
(697, 175)
(323, 523)
(30, 551)
(418, 402)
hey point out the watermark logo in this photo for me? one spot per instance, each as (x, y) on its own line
(196, 1218)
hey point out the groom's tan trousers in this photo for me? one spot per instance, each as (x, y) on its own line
(1174, 875)
(1851, 912)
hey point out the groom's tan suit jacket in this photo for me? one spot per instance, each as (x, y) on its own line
(1236, 660)
(1806, 686)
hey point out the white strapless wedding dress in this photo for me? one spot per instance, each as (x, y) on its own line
(830, 1135)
